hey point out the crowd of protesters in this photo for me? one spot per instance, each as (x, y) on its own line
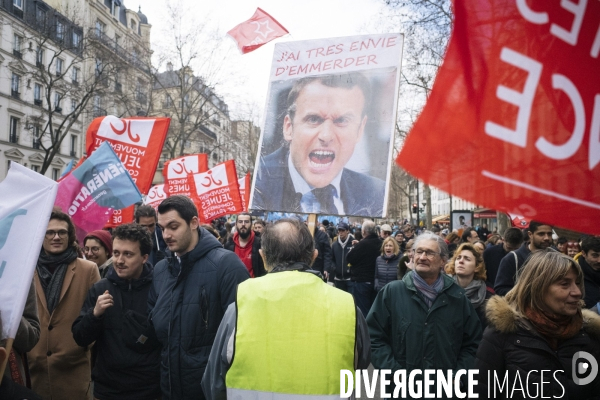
(169, 308)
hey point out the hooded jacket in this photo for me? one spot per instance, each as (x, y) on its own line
(187, 301)
(258, 266)
(512, 345)
(119, 371)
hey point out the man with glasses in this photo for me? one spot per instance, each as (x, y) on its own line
(424, 321)
(386, 231)
(59, 368)
(246, 243)
(146, 217)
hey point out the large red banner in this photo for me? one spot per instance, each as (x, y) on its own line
(120, 217)
(177, 172)
(513, 120)
(137, 141)
(155, 196)
(218, 192)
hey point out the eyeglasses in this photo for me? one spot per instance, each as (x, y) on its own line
(428, 253)
(61, 234)
(91, 249)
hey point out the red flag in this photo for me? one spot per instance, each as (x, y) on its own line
(120, 217)
(137, 141)
(258, 30)
(245, 191)
(177, 171)
(519, 221)
(155, 196)
(218, 192)
(513, 120)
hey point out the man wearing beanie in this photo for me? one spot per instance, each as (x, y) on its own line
(97, 247)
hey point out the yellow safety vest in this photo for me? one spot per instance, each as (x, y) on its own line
(294, 334)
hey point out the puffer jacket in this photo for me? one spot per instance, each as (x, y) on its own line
(187, 301)
(511, 345)
(120, 372)
(386, 270)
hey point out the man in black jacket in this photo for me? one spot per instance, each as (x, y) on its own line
(114, 314)
(339, 251)
(513, 238)
(362, 260)
(323, 246)
(590, 264)
(246, 244)
(189, 295)
(540, 237)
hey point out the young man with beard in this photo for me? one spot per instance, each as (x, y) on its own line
(246, 243)
(59, 368)
(127, 363)
(189, 295)
(590, 264)
(540, 238)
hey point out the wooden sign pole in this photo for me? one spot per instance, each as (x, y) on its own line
(312, 222)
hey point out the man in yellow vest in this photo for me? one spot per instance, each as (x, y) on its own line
(288, 333)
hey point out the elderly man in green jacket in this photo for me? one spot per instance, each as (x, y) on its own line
(424, 321)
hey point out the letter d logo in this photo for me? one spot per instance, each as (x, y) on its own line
(583, 367)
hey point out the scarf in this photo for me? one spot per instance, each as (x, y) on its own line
(345, 241)
(555, 328)
(51, 269)
(428, 292)
(475, 291)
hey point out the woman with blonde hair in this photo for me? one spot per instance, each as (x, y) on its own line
(467, 269)
(536, 333)
(386, 269)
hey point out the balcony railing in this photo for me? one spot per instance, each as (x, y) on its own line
(117, 49)
(73, 153)
(37, 102)
(36, 144)
(17, 54)
(13, 138)
(15, 94)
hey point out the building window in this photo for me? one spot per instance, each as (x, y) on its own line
(15, 81)
(76, 39)
(18, 4)
(73, 146)
(57, 100)
(59, 66)
(133, 25)
(14, 130)
(73, 105)
(37, 94)
(60, 30)
(40, 17)
(39, 57)
(75, 75)
(99, 66)
(17, 40)
(168, 102)
(36, 137)
(55, 174)
(35, 168)
(100, 28)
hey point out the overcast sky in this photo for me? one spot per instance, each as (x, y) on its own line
(307, 19)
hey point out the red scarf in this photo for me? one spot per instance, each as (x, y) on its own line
(555, 328)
